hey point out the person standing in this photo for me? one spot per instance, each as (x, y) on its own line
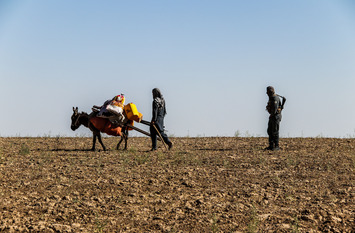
(157, 122)
(274, 107)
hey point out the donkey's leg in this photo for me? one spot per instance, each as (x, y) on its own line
(125, 138)
(119, 143)
(93, 141)
(100, 140)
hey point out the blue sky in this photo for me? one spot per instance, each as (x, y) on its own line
(212, 61)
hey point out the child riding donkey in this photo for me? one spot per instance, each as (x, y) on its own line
(113, 110)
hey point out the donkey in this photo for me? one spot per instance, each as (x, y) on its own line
(78, 119)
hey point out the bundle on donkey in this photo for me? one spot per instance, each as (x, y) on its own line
(97, 125)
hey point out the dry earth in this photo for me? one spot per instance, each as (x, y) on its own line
(202, 185)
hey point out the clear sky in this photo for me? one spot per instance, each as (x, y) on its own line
(212, 60)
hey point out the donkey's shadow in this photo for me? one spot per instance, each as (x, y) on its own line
(76, 150)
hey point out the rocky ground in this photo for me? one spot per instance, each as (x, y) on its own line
(203, 185)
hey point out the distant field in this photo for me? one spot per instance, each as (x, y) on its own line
(214, 184)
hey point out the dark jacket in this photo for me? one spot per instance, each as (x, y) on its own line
(274, 105)
(158, 114)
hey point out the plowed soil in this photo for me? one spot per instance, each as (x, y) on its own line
(202, 185)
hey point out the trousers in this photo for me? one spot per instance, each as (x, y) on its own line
(273, 130)
(154, 135)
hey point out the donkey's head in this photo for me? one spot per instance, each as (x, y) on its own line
(75, 119)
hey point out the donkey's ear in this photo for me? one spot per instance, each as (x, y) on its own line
(73, 109)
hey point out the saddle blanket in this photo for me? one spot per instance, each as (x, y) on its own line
(105, 126)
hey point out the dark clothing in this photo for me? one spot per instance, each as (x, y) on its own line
(158, 115)
(273, 130)
(274, 105)
(274, 108)
(159, 100)
(154, 135)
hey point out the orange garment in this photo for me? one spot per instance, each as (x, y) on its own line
(105, 126)
(117, 103)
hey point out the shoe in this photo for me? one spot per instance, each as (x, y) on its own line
(170, 144)
(271, 146)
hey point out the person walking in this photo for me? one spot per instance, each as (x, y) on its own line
(157, 122)
(274, 108)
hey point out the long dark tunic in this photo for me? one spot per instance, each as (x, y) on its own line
(274, 108)
(158, 115)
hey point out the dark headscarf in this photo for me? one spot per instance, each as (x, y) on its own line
(159, 99)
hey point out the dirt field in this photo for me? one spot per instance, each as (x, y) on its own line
(202, 185)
